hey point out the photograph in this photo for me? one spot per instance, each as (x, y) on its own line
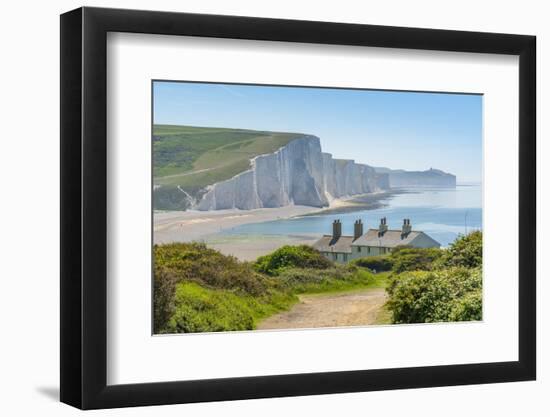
(280, 205)
(285, 207)
(290, 207)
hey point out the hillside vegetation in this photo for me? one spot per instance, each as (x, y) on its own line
(198, 289)
(444, 287)
(193, 157)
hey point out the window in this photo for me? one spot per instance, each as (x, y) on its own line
(358, 248)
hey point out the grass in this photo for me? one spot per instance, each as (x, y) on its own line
(358, 280)
(194, 157)
(198, 289)
(200, 309)
(384, 316)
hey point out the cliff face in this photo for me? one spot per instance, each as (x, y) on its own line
(298, 173)
(399, 178)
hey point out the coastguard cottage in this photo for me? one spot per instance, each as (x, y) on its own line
(379, 241)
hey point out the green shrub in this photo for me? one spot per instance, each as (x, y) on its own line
(208, 267)
(337, 278)
(465, 251)
(375, 263)
(164, 290)
(199, 309)
(467, 308)
(402, 259)
(178, 263)
(301, 256)
(432, 296)
(414, 259)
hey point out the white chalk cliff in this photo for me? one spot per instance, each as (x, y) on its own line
(299, 173)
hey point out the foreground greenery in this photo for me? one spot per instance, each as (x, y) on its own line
(444, 287)
(198, 289)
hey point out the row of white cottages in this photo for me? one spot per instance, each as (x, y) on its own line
(375, 242)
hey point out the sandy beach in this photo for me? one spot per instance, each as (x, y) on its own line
(187, 226)
(207, 226)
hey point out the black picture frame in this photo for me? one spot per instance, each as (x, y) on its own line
(84, 207)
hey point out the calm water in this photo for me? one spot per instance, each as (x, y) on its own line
(442, 213)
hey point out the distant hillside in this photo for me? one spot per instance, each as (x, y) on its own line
(198, 156)
(400, 178)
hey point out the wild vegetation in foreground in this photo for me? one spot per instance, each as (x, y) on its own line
(434, 285)
(198, 289)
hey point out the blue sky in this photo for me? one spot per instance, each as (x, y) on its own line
(413, 131)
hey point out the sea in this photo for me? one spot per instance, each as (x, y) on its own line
(442, 213)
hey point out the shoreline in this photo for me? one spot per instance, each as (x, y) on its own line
(187, 226)
(359, 202)
(208, 226)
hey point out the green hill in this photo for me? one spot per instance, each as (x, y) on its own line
(194, 157)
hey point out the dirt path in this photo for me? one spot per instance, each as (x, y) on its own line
(185, 174)
(357, 308)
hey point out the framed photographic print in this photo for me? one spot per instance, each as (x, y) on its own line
(257, 208)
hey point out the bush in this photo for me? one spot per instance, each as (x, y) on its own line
(414, 259)
(178, 263)
(468, 308)
(300, 280)
(465, 251)
(433, 296)
(301, 256)
(199, 309)
(208, 267)
(402, 259)
(375, 263)
(163, 298)
(203, 310)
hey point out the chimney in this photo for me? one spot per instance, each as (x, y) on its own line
(336, 229)
(406, 229)
(357, 229)
(383, 226)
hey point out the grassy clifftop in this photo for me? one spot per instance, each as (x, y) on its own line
(194, 157)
